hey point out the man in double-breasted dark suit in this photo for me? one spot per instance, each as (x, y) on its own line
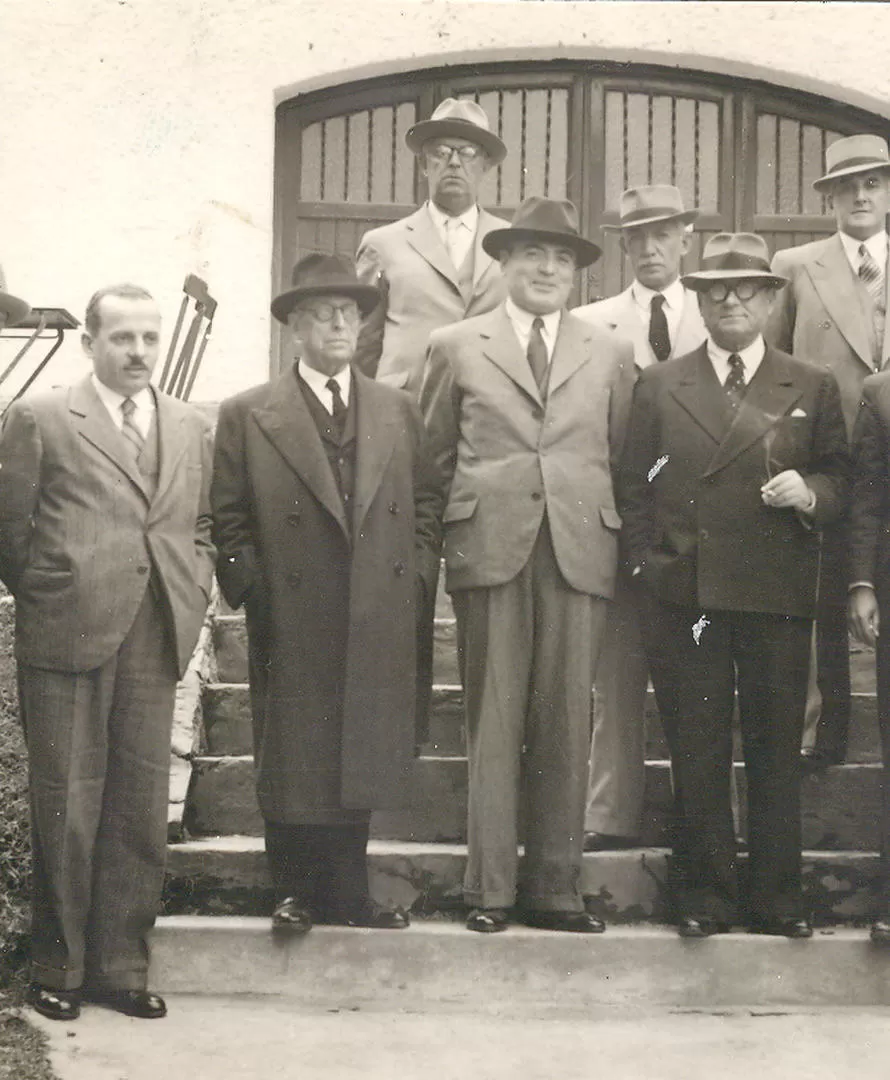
(105, 545)
(736, 456)
(325, 528)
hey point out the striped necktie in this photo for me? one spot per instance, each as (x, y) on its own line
(872, 277)
(129, 430)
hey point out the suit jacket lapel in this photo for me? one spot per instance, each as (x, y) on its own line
(626, 322)
(501, 346)
(422, 236)
(375, 441)
(698, 390)
(97, 427)
(171, 443)
(769, 396)
(288, 425)
(834, 282)
(570, 351)
(481, 259)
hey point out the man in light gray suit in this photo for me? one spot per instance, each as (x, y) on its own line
(105, 545)
(526, 408)
(661, 319)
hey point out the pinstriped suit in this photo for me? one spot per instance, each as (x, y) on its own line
(111, 585)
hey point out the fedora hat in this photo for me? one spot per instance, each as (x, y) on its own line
(855, 154)
(551, 220)
(324, 275)
(11, 306)
(733, 257)
(649, 203)
(461, 117)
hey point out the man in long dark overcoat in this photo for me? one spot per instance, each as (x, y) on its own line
(326, 527)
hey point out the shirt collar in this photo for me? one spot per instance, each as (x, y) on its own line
(112, 400)
(751, 355)
(317, 381)
(469, 218)
(674, 295)
(523, 320)
(876, 245)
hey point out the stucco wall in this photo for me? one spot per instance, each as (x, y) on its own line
(136, 136)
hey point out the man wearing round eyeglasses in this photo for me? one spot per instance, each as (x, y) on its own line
(324, 527)
(736, 457)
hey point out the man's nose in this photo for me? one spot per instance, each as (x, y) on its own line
(138, 348)
(548, 263)
(338, 319)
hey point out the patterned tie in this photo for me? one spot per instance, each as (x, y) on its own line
(338, 409)
(537, 352)
(659, 335)
(129, 430)
(735, 380)
(871, 276)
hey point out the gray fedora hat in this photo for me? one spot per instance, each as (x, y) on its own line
(11, 306)
(648, 203)
(324, 275)
(551, 220)
(733, 257)
(461, 117)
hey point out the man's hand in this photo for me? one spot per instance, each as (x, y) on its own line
(863, 615)
(788, 490)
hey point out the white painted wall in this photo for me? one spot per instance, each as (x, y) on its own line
(136, 136)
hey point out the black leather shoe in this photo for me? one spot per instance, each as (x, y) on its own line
(598, 841)
(789, 928)
(880, 931)
(139, 1003)
(575, 922)
(290, 917)
(376, 917)
(54, 1004)
(690, 927)
(487, 920)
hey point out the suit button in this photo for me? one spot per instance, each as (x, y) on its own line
(399, 568)
(294, 577)
(393, 508)
(293, 519)
(141, 569)
(537, 413)
(537, 496)
(825, 325)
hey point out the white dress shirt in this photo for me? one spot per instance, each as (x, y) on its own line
(456, 233)
(875, 245)
(317, 380)
(752, 356)
(522, 324)
(674, 298)
(144, 401)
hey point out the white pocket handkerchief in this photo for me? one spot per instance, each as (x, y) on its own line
(798, 412)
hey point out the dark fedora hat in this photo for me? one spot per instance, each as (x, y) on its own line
(324, 275)
(733, 257)
(461, 117)
(554, 221)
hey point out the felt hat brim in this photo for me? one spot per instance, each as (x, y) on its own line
(860, 167)
(499, 240)
(366, 296)
(702, 279)
(425, 130)
(13, 308)
(685, 216)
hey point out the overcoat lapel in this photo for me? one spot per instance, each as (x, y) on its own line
(570, 352)
(501, 346)
(699, 392)
(376, 435)
(288, 425)
(422, 236)
(769, 396)
(833, 281)
(95, 425)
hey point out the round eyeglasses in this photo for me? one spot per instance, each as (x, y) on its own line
(325, 312)
(442, 152)
(744, 290)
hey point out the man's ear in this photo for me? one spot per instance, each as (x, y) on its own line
(621, 243)
(86, 343)
(687, 242)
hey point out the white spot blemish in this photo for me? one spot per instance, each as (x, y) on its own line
(698, 628)
(657, 467)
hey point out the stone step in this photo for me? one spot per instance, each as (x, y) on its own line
(228, 875)
(228, 725)
(436, 965)
(841, 806)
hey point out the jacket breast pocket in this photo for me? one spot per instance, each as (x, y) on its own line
(460, 510)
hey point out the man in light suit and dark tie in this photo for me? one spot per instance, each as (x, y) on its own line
(736, 457)
(105, 545)
(525, 409)
(661, 319)
(832, 313)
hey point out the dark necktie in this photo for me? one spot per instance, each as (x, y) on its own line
(659, 335)
(537, 352)
(338, 410)
(735, 380)
(129, 430)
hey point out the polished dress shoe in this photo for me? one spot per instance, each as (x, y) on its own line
(142, 1004)
(487, 920)
(54, 1004)
(375, 917)
(291, 917)
(599, 841)
(574, 922)
(880, 930)
(782, 927)
(688, 926)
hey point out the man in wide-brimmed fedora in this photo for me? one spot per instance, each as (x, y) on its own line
(736, 457)
(525, 408)
(661, 319)
(325, 527)
(12, 308)
(832, 313)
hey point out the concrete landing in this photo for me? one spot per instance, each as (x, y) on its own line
(438, 964)
(245, 1038)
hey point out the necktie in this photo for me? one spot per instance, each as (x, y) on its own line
(338, 410)
(452, 243)
(129, 430)
(659, 335)
(537, 352)
(871, 276)
(735, 380)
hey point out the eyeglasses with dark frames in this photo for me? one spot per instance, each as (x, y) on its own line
(442, 152)
(744, 290)
(325, 312)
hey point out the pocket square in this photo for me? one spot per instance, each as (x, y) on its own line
(798, 412)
